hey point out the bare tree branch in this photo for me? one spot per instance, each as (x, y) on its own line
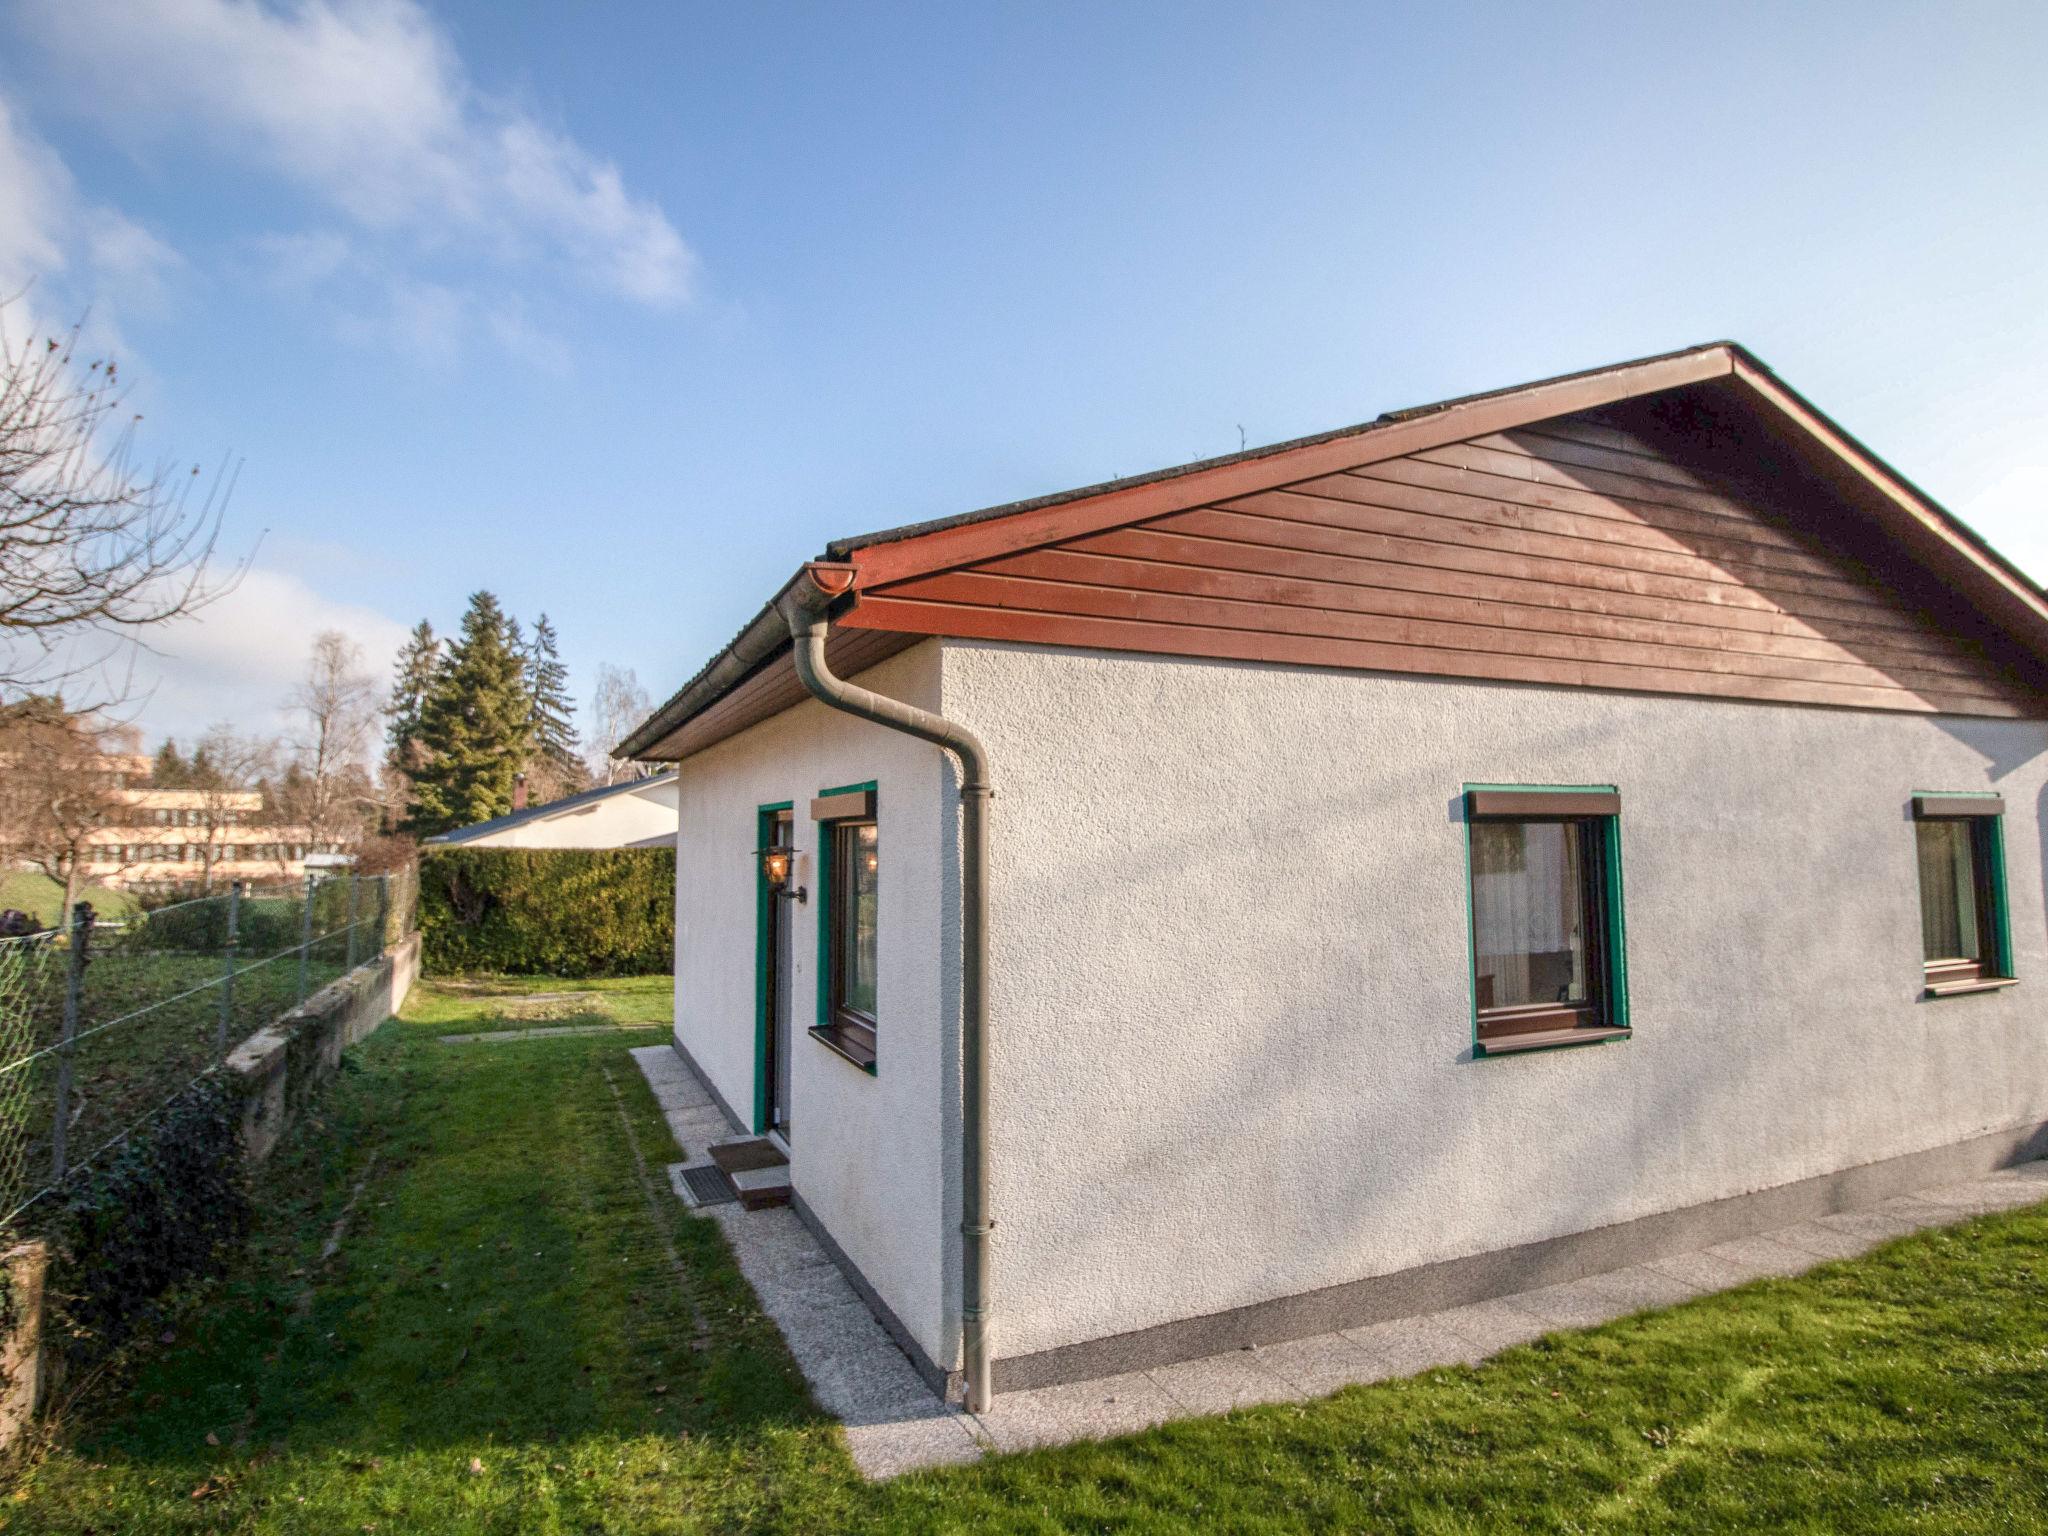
(60, 793)
(226, 767)
(92, 548)
(621, 704)
(335, 712)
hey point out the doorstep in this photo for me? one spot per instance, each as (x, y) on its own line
(757, 1169)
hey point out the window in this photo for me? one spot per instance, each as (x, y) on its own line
(1965, 944)
(856, 861)
(1547, 963)
(850, 852)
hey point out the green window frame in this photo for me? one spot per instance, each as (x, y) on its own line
(1593, 811)
(854, 1035)
(1966, 828)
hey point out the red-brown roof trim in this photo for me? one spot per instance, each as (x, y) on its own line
(1919, 526)
(1003, 531)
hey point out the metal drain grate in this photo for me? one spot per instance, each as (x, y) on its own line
(707, 1185)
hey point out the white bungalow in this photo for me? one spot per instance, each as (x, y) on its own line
(640, 813)
(1490, 845)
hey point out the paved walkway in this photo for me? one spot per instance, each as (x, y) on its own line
(894, 1423)
(498, 1036)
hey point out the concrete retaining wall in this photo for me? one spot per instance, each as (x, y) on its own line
(280, 1065)
(277, 1069)
(23, 1362)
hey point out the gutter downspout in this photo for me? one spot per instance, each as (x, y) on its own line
(805, 604)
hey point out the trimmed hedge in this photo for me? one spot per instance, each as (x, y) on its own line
(568, 912)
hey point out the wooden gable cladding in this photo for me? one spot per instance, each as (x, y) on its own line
(1603, 549)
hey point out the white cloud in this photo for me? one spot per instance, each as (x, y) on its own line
(366, 105)
(63, 252)
(238, 658)
(37, 204)
(425, 320)
(2013, 514)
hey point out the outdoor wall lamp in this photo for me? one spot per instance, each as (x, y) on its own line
(776, 862)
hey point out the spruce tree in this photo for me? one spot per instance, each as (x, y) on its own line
(476, 725)
(547, 685)
(169, 770)
(418, 662)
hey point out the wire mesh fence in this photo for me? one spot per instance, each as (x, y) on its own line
(103, 1023)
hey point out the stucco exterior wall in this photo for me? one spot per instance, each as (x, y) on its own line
(865, 1151)
(618, 821)
(1231, 992)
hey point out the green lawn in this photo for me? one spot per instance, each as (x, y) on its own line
(30, 892)
(518, 1335)
(149, 1021)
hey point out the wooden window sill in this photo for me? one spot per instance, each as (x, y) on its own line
(843, 1042)
(1981, 984)
(1548, 1039)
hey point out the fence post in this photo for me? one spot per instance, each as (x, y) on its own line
(74, 989)
(306, 936)
(354, 887)
(227, 977)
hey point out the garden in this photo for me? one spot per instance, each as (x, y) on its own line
(101, 1025)
(469, 1302)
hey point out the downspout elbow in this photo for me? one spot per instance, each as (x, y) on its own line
(806, 606)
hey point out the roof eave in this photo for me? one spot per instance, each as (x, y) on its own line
(755, 644)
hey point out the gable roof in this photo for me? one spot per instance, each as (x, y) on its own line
(552, 808)
(1876, 498)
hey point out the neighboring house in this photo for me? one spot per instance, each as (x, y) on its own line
(640, 813)
(171, 834)
(1484, 846)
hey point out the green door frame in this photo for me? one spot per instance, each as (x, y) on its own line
(764, 898)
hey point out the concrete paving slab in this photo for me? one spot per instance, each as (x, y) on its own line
(1876, 1226)
(1318, 1365)
(888, 1450)
(1762, 1258)
(1086, 1410)
(1829, 1242)
(1706, 1272)
(1494, 1325)
(2032, 1173)
(1645, 1289)
(1412, 1345)
(1597, 1299)
(1924, 1212)
(1576, 1304)
(1982, 1197)
(1223, 1382)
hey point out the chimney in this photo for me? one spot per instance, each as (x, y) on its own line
(518, 791)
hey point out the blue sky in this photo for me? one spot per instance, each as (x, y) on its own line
(621, 311)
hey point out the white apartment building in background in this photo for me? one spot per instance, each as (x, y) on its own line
(173, 833)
